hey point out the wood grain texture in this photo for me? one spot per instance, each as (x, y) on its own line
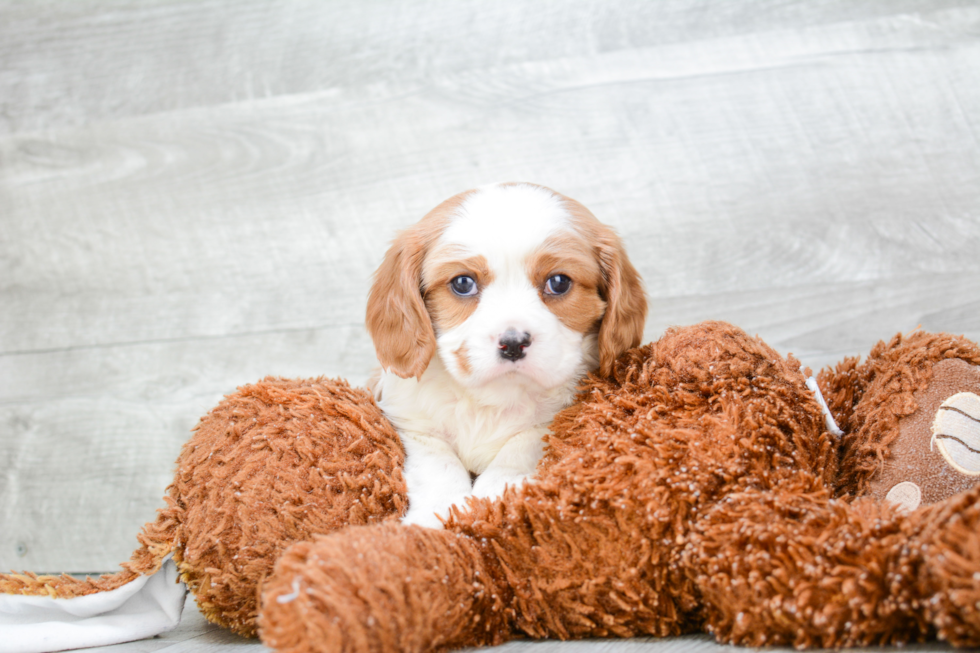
(195, 635)
(194, 196)
(68, 64)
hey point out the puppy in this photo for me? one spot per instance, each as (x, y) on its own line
(485, 317)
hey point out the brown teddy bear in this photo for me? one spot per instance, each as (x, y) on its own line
(700, 487)
(697, 488)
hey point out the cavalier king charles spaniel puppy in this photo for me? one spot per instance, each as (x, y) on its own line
(486, 315)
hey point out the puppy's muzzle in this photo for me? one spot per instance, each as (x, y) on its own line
(513, 344)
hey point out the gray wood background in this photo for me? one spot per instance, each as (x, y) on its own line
(195, 635)
(194, 194)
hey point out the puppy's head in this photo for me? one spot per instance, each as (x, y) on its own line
(511, 279)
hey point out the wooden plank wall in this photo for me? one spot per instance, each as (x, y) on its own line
(194, 194)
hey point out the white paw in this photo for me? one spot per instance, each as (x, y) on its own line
(491, 484)
(422, 518)
(428, 514)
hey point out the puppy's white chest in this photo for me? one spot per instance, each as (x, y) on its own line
(475, 425)
(478, 432)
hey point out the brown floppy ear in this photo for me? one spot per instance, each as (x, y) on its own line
(397, 319)
(626, 303)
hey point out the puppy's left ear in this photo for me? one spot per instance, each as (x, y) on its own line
(626, 302)
(397, 319)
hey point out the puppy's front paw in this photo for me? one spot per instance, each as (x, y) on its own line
(428, 514)
(491, 484)
(428, 519)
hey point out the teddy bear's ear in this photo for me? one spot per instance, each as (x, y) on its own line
(626, 302)
(397, 319)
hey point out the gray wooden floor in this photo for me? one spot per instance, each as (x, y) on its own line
(196, 635)
(193, 196)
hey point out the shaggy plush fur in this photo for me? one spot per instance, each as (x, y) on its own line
(274, 464)
(696, 488)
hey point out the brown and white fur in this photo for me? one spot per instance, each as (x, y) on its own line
(471, 380)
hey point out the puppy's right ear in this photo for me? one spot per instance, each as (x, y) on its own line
(397, 319)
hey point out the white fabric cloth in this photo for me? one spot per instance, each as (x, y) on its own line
(811, 383)
(146, 606)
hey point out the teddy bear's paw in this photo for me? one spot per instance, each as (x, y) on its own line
(906, 495)
(936, 452)
(956, 432)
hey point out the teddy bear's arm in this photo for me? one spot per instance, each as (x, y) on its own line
(384, 588)
(435, 477)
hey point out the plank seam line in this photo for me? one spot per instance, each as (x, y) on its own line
(160, 341)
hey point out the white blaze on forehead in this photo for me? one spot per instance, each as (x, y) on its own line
(505, 222)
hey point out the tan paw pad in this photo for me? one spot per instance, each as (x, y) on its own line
(956, 432)
(905, 495)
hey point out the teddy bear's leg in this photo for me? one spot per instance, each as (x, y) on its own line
(789, 567)
(383, 588)
(531, 565)
(274, 463)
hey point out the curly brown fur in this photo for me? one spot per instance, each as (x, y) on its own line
(950, 575)
(595, 547)
(796, 568)
(273, 464)
(382, 588)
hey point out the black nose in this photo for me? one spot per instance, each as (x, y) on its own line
(513, 344)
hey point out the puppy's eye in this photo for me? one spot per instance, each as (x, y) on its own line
(558, 285)
(463, 286)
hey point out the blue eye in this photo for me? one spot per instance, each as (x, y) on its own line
(559, 284)
(463, 286)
